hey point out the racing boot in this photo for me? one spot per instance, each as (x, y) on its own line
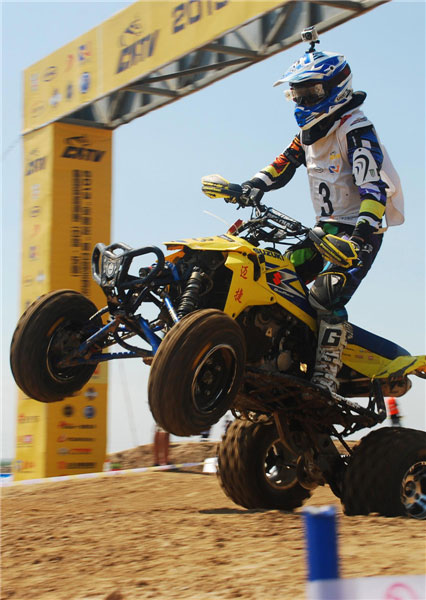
(332, 339)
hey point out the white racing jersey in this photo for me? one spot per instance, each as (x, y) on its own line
(351, 176)
(335, 195)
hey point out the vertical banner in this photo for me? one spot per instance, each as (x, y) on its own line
(66, 211)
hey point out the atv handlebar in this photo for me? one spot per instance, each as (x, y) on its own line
(270, 225)
(266, 224)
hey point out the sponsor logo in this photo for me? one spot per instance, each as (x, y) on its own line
(23, 419)
(90, 393)
(37, 109)
(33, 252)
(89, 411)
(19, 466)
(65, 425)
(136, 45)
(55, 98)
(334, 168)
(359, 120)
(76, 465)
(69, 91)
(40, 277)
(50, 73)
(78, 147)
(36, 230)
(277, 278)
(35, 191)
(84, 83)
(68, 410)
(69, 62)
(84, 53)
(35, 163)
(35, 211)
(24, 440)
(131, 33)
(268, 252)
(64, 438)
(334, 155)
(34, 81)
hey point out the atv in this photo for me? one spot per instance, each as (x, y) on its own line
(231, 328)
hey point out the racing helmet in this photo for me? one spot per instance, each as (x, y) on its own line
(320, 83)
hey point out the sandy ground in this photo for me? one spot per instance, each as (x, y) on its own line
(175, 535)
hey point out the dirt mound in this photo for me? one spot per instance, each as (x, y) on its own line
(179, 453)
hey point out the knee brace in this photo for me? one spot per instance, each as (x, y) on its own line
(325, 294)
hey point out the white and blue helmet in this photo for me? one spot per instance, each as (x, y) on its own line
(320, 83)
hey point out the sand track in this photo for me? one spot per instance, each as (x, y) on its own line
(175, 535)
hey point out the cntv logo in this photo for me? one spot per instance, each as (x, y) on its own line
(34, 162)
(78, 147)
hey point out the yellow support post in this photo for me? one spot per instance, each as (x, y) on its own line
(66, 211)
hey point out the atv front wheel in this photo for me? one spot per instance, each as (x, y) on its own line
(196, 372)
(256, 470)
(49, 329)
(387, 474)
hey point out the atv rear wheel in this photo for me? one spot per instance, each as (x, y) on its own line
(387, 474)
(196, 372)
(50, 328)
(256, 470)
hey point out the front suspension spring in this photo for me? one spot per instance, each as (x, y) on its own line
(190, 297)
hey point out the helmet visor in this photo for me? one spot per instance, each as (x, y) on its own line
(307, 94)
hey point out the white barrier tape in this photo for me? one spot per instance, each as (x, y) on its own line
(412, 587)
(5, 482)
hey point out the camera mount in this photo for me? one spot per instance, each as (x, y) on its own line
(310, 34)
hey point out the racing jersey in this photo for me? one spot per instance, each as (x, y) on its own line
(351, 177)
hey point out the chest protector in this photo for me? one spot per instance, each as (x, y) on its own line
(335, 196)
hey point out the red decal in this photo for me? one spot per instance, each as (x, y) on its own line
(277, 278)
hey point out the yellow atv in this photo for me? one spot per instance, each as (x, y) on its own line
(231, 328)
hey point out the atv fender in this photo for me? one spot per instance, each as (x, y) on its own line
(402, 366)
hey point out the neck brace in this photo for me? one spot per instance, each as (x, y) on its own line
(321, 129)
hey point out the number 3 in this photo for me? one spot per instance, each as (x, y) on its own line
(324, 190)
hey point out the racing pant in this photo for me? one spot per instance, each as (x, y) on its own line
(331, 290)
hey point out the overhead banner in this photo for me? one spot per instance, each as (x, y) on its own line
(148, 35)
(136, 41)
(66, 211)
(62, 82)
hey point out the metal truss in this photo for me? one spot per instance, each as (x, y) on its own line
(248, 44)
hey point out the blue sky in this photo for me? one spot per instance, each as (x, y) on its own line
(233, 127)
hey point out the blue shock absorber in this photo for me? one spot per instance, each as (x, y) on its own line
(171, 309)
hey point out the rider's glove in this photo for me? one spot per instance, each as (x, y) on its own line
(251, 195)
(361, 236)
(339, 251)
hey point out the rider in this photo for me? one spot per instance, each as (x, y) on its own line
(352, 184)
